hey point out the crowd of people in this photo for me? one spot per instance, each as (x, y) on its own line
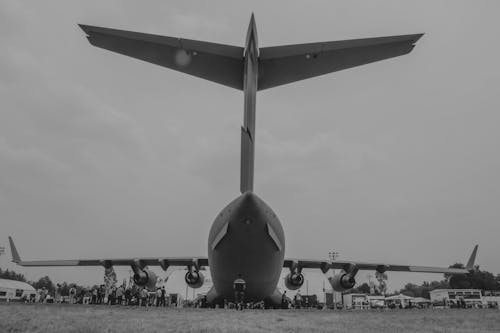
(120, 295)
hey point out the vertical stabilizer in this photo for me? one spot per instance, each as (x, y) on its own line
(250, 77)
(472, 259)
(13, 251)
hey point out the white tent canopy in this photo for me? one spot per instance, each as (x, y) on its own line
(13, 284)
(15, 290)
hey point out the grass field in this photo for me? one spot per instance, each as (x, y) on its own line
(80, 318)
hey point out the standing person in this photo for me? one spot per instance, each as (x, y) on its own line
(158, 296)
(43, 295)
(284, 302)
(144, 297)
(81, 296)
(98, 295)
(162, 298)
(88, 294)
(128, 295)
(72, 294)
(119, 295)
(136, 295)
(58, 293)
(94, 295)
(102, 294)
(298, 300)
(112, 296)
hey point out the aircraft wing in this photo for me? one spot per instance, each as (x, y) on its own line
(215, 62)
(163, 262)
(325, 265)
(280, 65)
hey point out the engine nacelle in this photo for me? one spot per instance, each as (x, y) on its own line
(145, 278)
(194, 279)
(342, 282)
(294, 281)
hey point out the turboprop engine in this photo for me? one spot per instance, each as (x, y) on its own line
(194, 279)
(294, 281)
(145, 278)
(345, 279)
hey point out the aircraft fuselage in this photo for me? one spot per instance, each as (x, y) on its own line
(246, 239)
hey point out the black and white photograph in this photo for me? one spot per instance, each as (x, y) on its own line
(249, 166)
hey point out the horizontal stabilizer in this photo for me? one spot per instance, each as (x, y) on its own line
(280, 65)
(215, 62)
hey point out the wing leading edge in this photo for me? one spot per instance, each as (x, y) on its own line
(163, 262)
(326, 265)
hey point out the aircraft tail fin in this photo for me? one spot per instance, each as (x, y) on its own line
(247, 161)
(13, 251)
(472, 259)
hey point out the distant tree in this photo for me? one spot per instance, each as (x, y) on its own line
(423, 290)
(476, 279)
(412, 290)
(483, 280)
(11, 275)
(64, 289)
(44, 282)
(381, 289)
(361, 289)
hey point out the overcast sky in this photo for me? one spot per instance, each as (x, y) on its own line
(103, 156)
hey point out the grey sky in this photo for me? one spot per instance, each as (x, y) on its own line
(106, 156)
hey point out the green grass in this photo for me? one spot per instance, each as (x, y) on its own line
(79, 318)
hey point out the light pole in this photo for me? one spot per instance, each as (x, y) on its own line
(333, 255)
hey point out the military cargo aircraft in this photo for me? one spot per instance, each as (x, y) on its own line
(246, 243)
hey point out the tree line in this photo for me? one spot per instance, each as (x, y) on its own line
(43, 282)
(477, 279)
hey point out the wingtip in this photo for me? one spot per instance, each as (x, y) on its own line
(86, 28)
(420, 35)
(416, 37)
(13, 251)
